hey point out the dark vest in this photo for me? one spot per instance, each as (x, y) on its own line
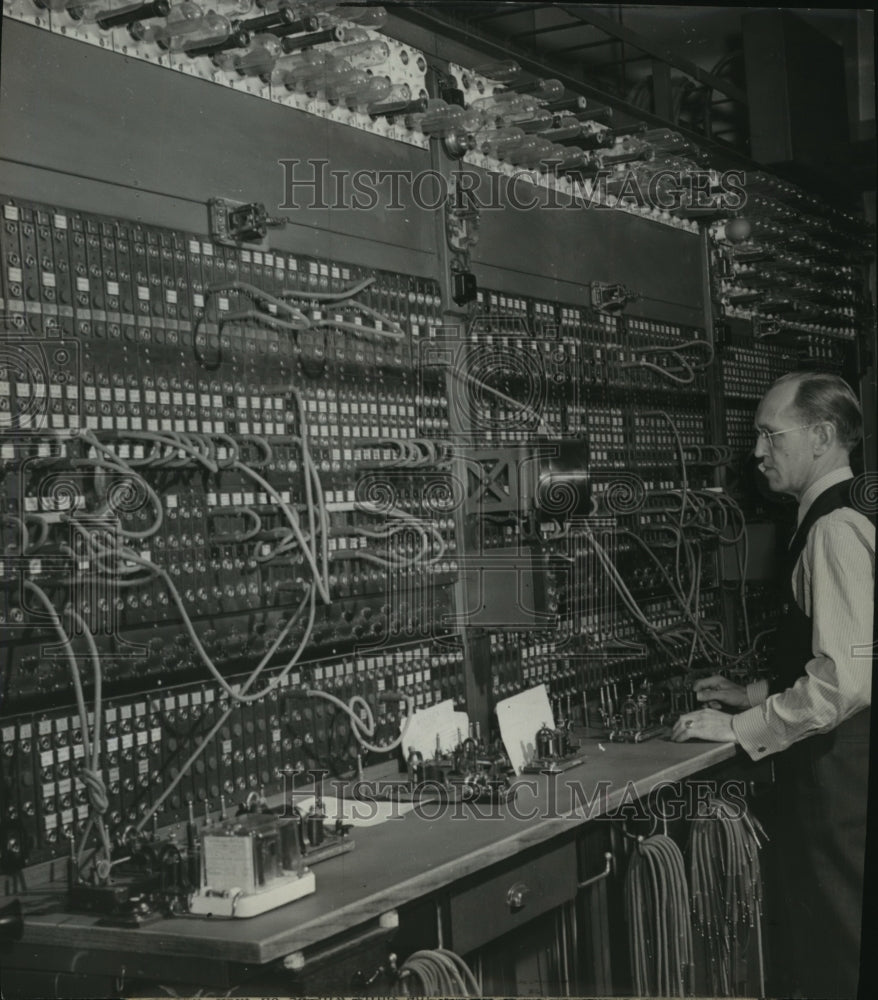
(794, 637)
(794, 632)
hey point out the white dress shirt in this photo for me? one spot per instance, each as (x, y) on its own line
(833, 583)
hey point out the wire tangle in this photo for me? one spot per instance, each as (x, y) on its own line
(107, 545)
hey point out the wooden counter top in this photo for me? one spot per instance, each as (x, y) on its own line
(401, 860)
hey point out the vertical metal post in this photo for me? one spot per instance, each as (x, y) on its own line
(716, 419)
(477, 690)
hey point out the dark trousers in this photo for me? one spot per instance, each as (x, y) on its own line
(819, 849)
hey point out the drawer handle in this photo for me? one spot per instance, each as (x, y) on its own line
(516, 896)
(608, 868)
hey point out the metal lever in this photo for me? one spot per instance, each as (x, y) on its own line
(608, 870)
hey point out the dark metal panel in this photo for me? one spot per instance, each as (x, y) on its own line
(577, 293)
(156, 144)
(53, 187)
(795, 75)
(770, 139)
(157, 130)
(572, 245)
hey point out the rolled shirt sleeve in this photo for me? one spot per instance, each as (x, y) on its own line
(834, 584)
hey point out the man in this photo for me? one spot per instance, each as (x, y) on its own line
(815, 713)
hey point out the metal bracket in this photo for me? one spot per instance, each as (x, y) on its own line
(610, 297)
(462, 217)
(764, 326)
(234, 223)
(461, 234)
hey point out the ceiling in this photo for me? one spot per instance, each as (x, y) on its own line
(619, 52)
(700, 33)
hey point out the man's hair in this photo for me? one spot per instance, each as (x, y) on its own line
(823, 398)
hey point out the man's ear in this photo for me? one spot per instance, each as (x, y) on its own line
(826, 436)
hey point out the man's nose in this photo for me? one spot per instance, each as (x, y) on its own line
(761, 448)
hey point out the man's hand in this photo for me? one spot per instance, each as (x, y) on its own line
(716, 688)
(706, 724)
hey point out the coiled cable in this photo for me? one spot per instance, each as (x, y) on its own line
(726, 885)
(437, 973)
(659, 924)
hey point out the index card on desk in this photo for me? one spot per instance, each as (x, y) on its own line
(520, 717)
(437, 724)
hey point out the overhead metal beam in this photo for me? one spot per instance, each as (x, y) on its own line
(618, 62)
(510, 11)
(580, 47)
(638, 41)
(546, 31)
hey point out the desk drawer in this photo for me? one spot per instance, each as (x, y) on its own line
(501, 903)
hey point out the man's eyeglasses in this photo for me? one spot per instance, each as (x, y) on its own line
(769, 436)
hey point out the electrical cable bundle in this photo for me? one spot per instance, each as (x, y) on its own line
(726, 890)
(411, 452)
(90, 770)
(104, 553)
(659, 924)
(281, 313)
(438, 973)
(683, 366)
(695, 513)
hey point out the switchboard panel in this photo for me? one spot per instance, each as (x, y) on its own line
(275, 479)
